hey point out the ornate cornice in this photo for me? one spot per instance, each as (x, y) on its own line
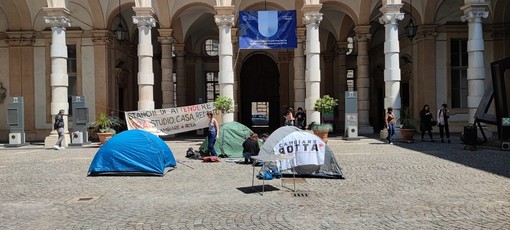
(20, 38)
(224, 19)
(312, 18)
(145, 20)
(102, 37)
(426, 32)
(57, 21)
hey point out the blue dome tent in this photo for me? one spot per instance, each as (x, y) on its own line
(133, 152)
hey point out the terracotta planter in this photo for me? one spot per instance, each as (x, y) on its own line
(407, 135)
(103, 137)
(322, 134)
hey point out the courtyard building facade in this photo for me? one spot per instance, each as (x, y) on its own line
(148, 54)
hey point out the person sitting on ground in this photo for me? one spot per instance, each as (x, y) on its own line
(251, 148)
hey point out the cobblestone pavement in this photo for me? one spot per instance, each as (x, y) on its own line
(403, 186)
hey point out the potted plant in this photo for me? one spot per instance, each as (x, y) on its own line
(224, 104)
(325, 104)
(105, 126)
(407, 124)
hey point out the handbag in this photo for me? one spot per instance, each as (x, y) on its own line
(433, 122)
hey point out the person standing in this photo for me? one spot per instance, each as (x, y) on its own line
(389, 118)
(300, 118)
(251, 148)
(426, 122)
(214, 131)
(289, 117)
(59, 126)
(443, 115)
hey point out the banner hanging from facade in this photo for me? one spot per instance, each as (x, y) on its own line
(267, 29)
(170, 121)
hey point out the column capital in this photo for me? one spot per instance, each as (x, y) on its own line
(163, 32)
(179, 49)
(362, 37)
(391, 18)
(224, 19)
(312, 18)
(144, 20)
(474, 16)
(474, 12)
(391, 13)
(341, 48)
(166, 40)
(57, 21)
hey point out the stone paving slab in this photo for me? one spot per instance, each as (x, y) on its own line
(421, 185)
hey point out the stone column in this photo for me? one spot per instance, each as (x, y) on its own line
(391, 13)
(312, 18)
(340, 82)
(225, 20)
(299, 71)
(180, 73)
(363, 80)
(474, 11)
(58, 19)
(167, 81)
(145, 22)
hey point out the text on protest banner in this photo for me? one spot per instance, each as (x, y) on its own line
(171, 120)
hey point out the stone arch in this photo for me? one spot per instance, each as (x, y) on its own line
(334, 12)
(262, 5)
(500, 12)
(345, 9)
(80, 16)
(14, 10)
(126, 14)
(163, 13)
(179, 32)
(444, 13)
(4, 22)
(260, 73)
(429, 12)
(96, 14)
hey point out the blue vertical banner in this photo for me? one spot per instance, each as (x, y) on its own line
(267, 29)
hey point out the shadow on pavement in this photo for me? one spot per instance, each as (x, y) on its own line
(487, 157)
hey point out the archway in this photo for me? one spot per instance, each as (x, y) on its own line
(259, 85)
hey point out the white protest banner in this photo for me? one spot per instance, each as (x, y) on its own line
(171, 120)
(308, 149)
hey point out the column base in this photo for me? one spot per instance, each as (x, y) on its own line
(50, 140)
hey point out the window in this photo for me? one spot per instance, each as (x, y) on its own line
(211, 47)
(212, 86)
(459, 66)
(72, 75)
